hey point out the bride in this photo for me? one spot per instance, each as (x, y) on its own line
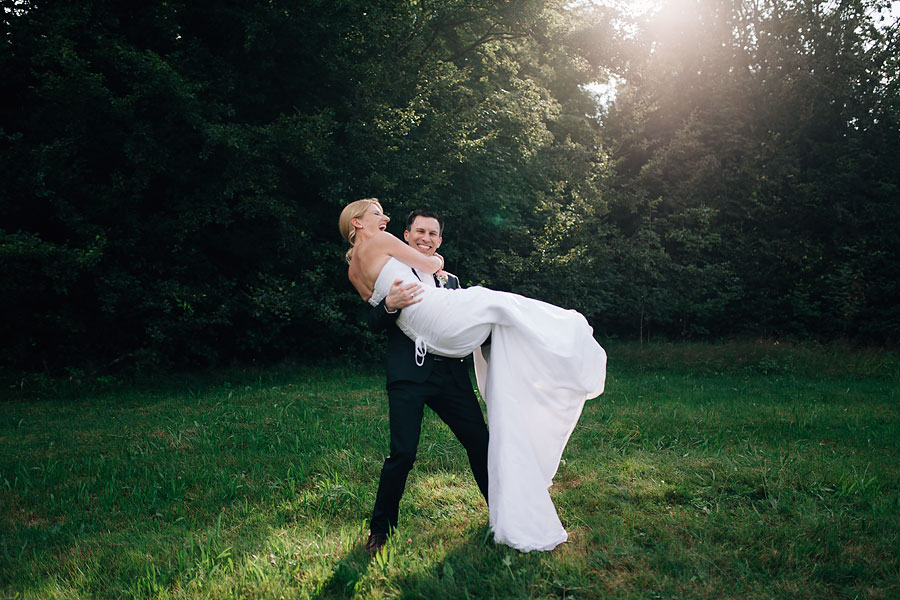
(535, 375)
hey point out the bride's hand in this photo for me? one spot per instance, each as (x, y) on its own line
(402, 295)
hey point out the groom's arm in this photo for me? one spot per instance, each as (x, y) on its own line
(380, 318)
(385, 313)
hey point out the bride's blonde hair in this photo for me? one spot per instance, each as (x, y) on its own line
(354, 210)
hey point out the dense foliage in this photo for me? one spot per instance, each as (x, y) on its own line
(762, 140)
(173, 171)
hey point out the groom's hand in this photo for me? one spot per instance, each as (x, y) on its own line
(402, 295)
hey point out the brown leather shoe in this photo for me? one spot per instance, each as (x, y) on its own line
(376, 542)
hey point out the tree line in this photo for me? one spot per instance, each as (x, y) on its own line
(173, 170)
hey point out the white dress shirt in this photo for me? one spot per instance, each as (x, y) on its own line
(426, 278)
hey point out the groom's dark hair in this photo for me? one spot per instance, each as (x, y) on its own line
(428, 214)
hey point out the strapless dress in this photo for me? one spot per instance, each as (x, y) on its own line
(541, 366)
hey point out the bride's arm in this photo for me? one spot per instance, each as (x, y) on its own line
(402, 252)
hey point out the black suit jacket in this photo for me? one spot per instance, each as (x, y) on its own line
(400, 359)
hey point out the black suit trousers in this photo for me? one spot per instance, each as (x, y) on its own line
(454, 402)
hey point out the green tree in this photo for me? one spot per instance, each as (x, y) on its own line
(177, 168)
(768, 120)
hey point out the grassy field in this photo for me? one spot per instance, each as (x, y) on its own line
(751, 470)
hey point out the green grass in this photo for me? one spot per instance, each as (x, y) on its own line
(705, 471)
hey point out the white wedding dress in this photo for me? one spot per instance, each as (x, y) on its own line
(535, 375)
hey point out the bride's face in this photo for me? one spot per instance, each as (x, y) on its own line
(372, 220)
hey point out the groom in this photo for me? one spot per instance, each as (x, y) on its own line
(441, 383)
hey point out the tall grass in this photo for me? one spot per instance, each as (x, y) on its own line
(726, 471)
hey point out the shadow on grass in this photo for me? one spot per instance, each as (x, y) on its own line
(469, 565)
(347, 573)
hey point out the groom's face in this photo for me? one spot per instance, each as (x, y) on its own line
(424, 235)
